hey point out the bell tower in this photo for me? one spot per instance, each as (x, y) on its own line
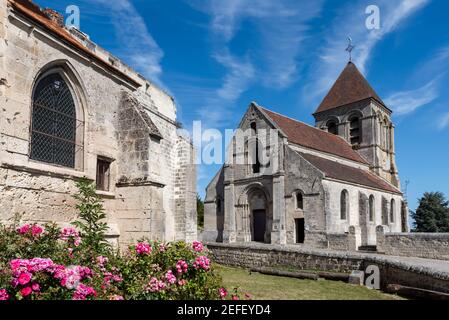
(354, 111)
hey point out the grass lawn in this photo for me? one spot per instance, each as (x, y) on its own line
(266, 287)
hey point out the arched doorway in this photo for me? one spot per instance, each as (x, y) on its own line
(254, 216)
(258, 206)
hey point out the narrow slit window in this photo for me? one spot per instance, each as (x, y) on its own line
(103, 174)
(299, 201)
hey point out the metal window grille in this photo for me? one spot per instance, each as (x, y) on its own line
(54, 124)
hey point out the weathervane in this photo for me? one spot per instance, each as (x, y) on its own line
(350, 48)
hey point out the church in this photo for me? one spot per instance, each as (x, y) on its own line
(326, 186)
(70, 109)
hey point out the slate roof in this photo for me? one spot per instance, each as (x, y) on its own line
(313, 138)
(351, 86)
(338, 171)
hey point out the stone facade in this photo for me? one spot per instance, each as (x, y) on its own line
(377, 130)
(121, 117)
(312, 187)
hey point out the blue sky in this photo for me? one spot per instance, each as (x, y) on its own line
(217, 56)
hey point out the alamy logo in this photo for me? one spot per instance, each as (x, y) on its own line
(73, 18)
(372, 280)
(372, 22)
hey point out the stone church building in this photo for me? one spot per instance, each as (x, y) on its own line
(69, 109)
(327, 186)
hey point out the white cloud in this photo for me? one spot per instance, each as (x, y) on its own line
(240, 74)
(350, 21)
(281, 28)
(408, 101)
(137, 46)
(443, 122)
(435, 69)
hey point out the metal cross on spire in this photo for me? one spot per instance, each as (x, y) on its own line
(350, 48)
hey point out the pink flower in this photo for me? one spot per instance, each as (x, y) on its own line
(155, 285)
(36, 287)
(16, 264)
(39, 264)
(36, 230)
(202, 262)
(197, 246)
(223, 293)
(3, 295)
(83, 291)
(116, 297)
(170, 277)
(181, 266)
(70, 234)
(26, 291)
(101, 261)
(14, 282)
(234, 297)
(24, 229)
(143, 248)
(182, 282)
(162, 247)
(24, 278)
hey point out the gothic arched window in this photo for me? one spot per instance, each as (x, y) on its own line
(371, 208)
(299, 201)
(332, 127)
(354, 130)
(344, 198)
(392, 211)
(54, 122)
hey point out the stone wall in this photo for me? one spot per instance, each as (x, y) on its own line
(126, 120)
(185, 192)
(418, 273)
(423, 245)
(358, 210)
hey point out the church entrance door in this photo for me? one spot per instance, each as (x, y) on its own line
(260, 225)
(299, 225)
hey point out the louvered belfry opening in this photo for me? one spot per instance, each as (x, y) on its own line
(54, 123)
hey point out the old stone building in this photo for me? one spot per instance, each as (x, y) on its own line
(327, 186)
(70, 109)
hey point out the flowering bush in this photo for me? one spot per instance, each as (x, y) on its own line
(148, 270)
(154, 270)
(47, 263)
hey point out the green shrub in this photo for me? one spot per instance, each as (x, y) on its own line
(47, 263)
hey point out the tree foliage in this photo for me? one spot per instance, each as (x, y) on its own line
(200, 210)
(432, 214)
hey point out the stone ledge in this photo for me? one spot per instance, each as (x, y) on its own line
(419, 235)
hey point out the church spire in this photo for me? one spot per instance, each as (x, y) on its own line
(351, 86)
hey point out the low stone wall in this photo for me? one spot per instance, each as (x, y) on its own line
(413, 272)
(422, 245)
(333, 241)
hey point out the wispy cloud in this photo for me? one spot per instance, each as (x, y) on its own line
(280, 28)
(408, 101)
(429, 77)
(443, 122)
(240, 74)
(137, 46)
(350, 21)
